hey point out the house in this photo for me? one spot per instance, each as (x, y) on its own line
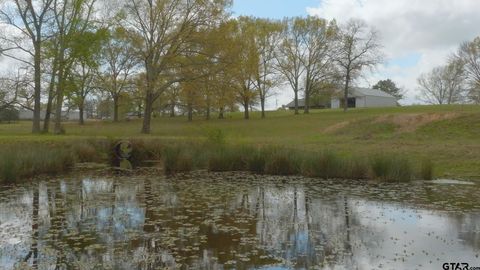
(364, 98)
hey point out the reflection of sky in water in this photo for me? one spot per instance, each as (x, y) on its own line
(269, 226)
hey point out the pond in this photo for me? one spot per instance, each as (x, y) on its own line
(236, 221)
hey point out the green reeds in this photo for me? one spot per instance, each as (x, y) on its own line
(26, 161)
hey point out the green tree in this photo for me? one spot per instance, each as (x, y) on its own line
(317, 39)
(118, 63)
(74, 31)
(267, 35)
(164, 31)
(388, 86)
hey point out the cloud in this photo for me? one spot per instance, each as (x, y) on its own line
(430, 30)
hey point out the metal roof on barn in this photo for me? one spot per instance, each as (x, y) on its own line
(361, 92)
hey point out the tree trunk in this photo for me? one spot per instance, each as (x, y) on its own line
(147, 116)
(296, 101)
(172, 110)
(149, 97)
(190, 112)
(81, 110)
(262, 104)
(307, 103)
(115, 108)
(51, 95)
(48, 111)
(347, 82)
(246, 114)
(306, 108)
(59, 101)
(221, 113)
(207, 116)
(38, 86)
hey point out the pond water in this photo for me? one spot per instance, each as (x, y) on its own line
(236, 221)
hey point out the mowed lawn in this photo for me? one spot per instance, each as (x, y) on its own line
(448, 135)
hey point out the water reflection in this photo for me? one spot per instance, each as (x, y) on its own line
(217, 221)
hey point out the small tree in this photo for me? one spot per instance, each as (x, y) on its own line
(9, 114)
(388, 86)
(266, 37)
(117, 65)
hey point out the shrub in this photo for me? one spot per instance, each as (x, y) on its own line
(392, 168)
(257, 161)
(232, 158)
(85, 152)
(282, 162)
(216, 137)
(324, 165)
(176, 159)
(426, 170)
(356, 169)
(9, 114)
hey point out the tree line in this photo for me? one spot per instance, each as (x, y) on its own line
(189, 56)
(458, 81)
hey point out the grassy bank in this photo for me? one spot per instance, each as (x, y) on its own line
(22, 161)
(445, 135)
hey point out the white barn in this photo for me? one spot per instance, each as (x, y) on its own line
(364, 98)
(69, 116)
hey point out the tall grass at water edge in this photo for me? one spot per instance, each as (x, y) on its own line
(214, 154)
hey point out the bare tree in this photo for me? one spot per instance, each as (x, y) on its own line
(443, 85)
(357, 48)
(289, 55)
(469, 55)
(27, 19)
(9, 89)
(17, 89)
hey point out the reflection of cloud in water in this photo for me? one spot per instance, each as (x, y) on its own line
(127, 223)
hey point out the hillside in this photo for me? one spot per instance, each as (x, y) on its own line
(449, 135)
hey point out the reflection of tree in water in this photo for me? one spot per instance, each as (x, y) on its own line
(155, 223)
(303, 230)
(35, 220)
(468, 226)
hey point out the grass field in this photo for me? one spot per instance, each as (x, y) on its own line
(447, 135)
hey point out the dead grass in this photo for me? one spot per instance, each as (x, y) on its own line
(334, 128)
(407, 123)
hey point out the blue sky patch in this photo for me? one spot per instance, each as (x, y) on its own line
(407, 61)
(275, 9)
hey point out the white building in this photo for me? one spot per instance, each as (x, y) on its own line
(69, 116)
(364, 98)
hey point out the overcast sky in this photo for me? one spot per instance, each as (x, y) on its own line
(417, 34)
